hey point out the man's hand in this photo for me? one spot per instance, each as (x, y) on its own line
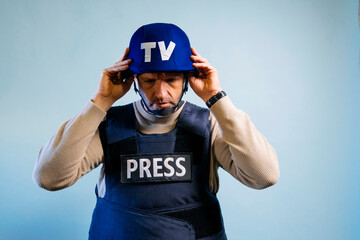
(207, 84)
(111, 86)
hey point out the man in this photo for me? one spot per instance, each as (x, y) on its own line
(160, 154)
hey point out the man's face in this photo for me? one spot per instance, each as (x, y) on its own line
(161, 90)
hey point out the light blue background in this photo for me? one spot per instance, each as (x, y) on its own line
(293, 66)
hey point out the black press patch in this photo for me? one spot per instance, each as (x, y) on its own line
(171, 167)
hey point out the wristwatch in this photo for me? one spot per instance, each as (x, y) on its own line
(215, 98)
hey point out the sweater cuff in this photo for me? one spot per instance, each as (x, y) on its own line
(224, 109)
(92, 111)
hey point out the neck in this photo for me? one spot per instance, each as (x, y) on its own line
(162, 112)
(148, 123)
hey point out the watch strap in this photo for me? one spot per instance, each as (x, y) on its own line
(215, 98)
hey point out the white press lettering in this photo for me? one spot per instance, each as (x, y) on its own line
(148, 46)
(181, 167)
(156, 167)
(166, 53)
(144, 167)
(131, 167)
(168, 166)
(165, 167)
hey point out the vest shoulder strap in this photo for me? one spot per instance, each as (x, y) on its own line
(194, 119)
(120, 123)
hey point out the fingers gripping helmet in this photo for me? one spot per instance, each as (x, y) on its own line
(160, 47)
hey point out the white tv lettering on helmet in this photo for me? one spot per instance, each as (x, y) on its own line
(159, 166)
(148, 46)
(164, 52)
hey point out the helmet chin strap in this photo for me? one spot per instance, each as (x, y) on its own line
(161, 112)
(164, 111)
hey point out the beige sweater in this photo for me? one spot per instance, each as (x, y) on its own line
(236, 146)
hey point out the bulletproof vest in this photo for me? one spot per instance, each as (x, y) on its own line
(157, 185)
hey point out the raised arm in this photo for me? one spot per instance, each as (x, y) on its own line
(240, 148)
(76, 148)
(72, 152)
(237, 145)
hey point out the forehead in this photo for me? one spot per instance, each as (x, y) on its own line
(161, 75)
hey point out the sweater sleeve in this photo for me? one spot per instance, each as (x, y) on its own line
(240, 149)
(72, 152)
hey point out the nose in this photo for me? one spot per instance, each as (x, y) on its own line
(160, 91)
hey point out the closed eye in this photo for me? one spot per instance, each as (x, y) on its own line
(170, 80)
(149, 80)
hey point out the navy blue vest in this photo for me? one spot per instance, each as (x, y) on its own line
(157, 185)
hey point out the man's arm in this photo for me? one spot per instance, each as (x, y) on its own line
(72, 152)
(237, 146)
(76, 148)
(240, 148)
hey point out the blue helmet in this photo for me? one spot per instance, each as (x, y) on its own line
(160, 47)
